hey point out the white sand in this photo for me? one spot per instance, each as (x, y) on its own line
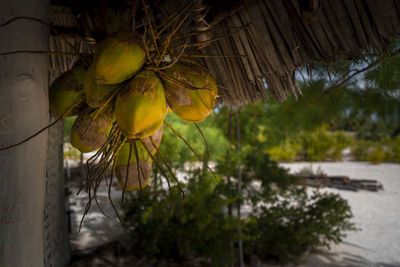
(376, 213)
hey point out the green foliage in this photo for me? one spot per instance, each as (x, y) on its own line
(300, 222)
(71, 152)
(382, 150)
(287, 151)
(323, 145)
(284, 223)
(178, 153)
(396, 149)
(317, 145)
(193, 227)
(287, 221)
(377, 155)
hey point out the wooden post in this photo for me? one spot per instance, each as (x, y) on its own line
(23, 110)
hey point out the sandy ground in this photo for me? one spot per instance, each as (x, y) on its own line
(377, 214)
(96, 229)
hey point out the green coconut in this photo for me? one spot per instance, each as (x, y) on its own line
(193, 105)
(66, 90)
(145, 162)
(141, 107)
(96, 95)
(118, 57)
(88, 136)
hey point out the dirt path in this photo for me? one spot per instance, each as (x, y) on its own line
(96, 229)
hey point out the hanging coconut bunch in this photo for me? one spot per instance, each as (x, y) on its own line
(122, 96)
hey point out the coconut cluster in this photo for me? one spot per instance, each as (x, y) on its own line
(118, 89)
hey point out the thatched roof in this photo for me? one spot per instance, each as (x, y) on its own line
(274, 38)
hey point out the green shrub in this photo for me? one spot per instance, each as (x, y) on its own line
(342, 141)
(194, 227)
(284, 223)
(287, 221)
(285, 231)
(361, 149)
(288, 151)
(317, 145)
(321, 144)
(383, 150)
(396, 149)
(376, 155)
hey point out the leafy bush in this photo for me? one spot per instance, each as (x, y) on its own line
(285, 230)
(318, 145)
(396, 149)
(323, 145)
(284, 223)
(288, 151)
(383, 150)
(194, 227)
(287, 221)
(376, 155)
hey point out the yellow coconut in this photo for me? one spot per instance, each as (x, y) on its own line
(66, 90)
(118, 57)
(145, 161)
(88, 135)
(141, 107)
(96, 95)
(192, 105)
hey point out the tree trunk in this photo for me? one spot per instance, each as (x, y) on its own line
(23, 110)
(56, 243)
(240, 243)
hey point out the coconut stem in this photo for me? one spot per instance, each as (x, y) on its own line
(168, 167)
(187, 144)
(176, 82)
(166, 46)
(151, 27)
(159, 167)
(204, 139)
(174, 18)
(138, 165)
(96, 171)
(127, 173)
(173, 63)
(198, 43)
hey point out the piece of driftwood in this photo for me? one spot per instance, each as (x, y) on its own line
(339, 182)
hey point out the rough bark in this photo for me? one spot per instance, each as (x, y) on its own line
(56, 242)
(23, 110)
